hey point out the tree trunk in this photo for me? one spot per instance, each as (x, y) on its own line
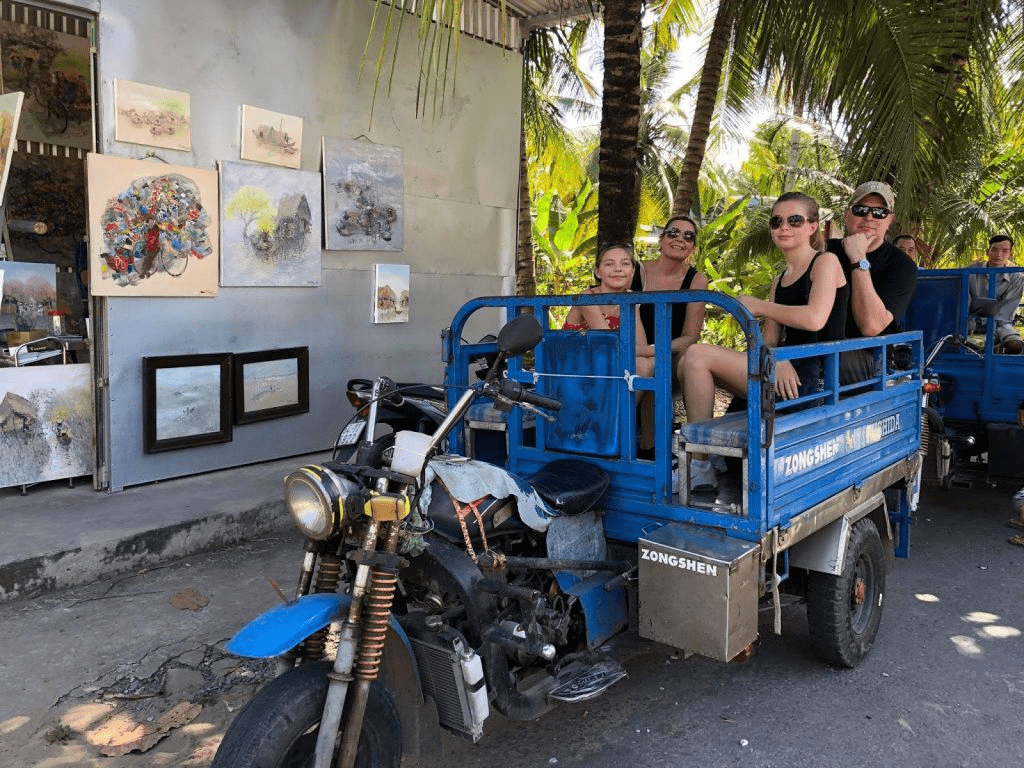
(704, 109)
(526, 265)
(618, 185)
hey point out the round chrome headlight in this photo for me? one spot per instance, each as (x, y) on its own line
(315, 498)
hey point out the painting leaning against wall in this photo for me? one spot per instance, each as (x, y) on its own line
(46, 424)
(270, 225)
(29, 292)
(363, 196)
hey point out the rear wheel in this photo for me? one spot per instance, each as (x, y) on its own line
(279, 727)
(844, 611)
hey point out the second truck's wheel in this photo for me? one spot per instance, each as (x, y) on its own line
(844, 611)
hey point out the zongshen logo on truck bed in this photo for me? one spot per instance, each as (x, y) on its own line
(849, 441)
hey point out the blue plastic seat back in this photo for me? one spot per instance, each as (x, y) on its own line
(589, 385)
(935, 309)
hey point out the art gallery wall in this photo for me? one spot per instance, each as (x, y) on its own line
(302, 58)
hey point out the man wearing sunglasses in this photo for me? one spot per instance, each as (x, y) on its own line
(882, 278)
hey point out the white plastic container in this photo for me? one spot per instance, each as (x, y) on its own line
(410, 452)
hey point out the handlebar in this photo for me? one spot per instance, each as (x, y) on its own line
(517, 393)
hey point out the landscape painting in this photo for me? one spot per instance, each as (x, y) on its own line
(271, 137)
(153, 228)
(29, 291)
(270, 225)
(271, 384)
(54, 71)
(156, 117)
(46, 424)
(391, 293)
(363, 196)
(10, 112)
(186, 401)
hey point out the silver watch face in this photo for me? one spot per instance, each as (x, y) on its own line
(863, 264)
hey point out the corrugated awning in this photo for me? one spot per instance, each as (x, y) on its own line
(484, 19)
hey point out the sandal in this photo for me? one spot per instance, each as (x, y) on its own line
(1018, 540)
(1016, 523)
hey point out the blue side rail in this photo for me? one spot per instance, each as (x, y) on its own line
(799, 453)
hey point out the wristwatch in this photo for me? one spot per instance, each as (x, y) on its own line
(864, 264)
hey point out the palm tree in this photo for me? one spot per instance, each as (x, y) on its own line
(879, 71)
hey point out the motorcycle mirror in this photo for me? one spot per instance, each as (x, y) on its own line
(519, 335)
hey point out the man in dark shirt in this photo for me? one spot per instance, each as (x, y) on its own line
(882, 278)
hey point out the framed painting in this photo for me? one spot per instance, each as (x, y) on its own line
(153, 228)
(364, 194)
(271, 137)
(156, 117)
(186, 401)
(270, 225)
(390, 293)
(271, 384)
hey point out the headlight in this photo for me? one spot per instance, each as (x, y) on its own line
(315, 498)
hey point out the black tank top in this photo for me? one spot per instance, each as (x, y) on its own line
(797, 294)
(678, 310)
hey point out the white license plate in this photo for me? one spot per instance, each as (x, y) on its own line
(351, 434)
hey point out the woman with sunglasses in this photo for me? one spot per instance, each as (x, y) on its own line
(673, 270)
(807, 303)
(613, 272)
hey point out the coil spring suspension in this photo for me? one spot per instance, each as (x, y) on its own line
(328, 577)
(925, 434)
(375, 623)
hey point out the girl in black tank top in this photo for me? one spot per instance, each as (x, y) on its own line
(808, 303)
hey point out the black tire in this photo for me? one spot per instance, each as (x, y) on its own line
(844, 612)
(278, 728)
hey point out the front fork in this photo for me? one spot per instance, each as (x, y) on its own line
(360, 644)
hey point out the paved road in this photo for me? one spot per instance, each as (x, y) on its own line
(944, 685)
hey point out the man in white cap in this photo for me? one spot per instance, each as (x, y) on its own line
(882, 278)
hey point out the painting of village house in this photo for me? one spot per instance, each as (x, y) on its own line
(270, 225)
(46, 424)
(391, 293)
(156, 117)
(29, 292)
(363, 196)
(271, 137)
(153, 228)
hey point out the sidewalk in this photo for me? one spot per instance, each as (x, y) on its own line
(57, 536)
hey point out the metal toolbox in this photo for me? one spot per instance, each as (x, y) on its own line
(698, 590)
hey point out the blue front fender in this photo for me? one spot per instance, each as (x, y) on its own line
(284, 626)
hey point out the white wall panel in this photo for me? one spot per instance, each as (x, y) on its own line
(301, 57)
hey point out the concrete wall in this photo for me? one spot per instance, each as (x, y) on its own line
(301, 57)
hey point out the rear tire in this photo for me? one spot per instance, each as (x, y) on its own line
(278, 728)
(844, 611)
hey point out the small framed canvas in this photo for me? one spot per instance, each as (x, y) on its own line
(186, 401)
(271, 384)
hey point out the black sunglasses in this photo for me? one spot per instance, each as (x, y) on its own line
(794, 220)
(673, 232)
(861, 211)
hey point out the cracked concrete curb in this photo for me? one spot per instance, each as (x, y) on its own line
(97, 560)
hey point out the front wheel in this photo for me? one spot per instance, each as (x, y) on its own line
(844, 611)
(279, 727)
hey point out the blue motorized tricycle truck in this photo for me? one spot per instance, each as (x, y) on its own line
(975, 390)
(491, 564)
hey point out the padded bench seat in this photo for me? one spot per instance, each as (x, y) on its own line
(729, 431)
